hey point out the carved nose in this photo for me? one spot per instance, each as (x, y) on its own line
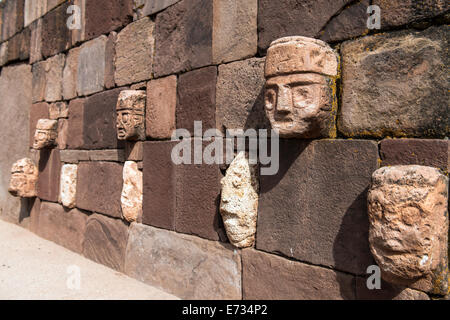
(284, 101)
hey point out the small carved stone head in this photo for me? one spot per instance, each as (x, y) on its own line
(300, 80)
(24, 174)
(46, 134)
(131, 115)
(407, 208)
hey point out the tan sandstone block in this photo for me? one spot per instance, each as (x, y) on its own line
(68, 185)
(131, 198)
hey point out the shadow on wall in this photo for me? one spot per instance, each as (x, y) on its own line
(257, 118)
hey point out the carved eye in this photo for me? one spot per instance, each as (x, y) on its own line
(270, 99)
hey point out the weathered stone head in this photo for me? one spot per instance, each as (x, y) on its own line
(300, 87)
(408, 216)
(24, 175)
(131, 115)
(46, 134)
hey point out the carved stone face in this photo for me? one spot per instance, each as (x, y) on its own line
(46, 134)
(299, 92)
(299, 105)
(24, 174)
(130, 115)
(408, 221)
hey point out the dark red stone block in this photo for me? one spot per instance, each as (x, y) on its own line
(56, 36)
(99, 187)
(19, 46)
(49, 175)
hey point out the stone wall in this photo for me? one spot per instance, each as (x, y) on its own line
(203, 60)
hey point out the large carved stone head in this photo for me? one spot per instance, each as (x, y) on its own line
(300, 87)
(24, 175)
(131, 115)
(46, 134)
(407, 207)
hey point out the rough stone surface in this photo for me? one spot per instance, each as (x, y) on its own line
(3, 53)
(161, 106)
(68, 185)
(314, 209)
(130, 109)
(269, 277)
(197, 99)
(63, 131)
(103, 16)
(134, 151)
(70, 74)
(159, 185)
(387, 292)
(148, 7)
(37, 111)
(183, 37)
(116, 155)
(396, 13)
(425, 152)
(240, 95)
(54, 78)
(131, 198)
(239, 201)
(39, 81)
(407, 208)
(105, 241)
(110, 53)
(396, 84)
(46, 134)
(349, 23)
(99, 187)
(19, 46)
(284, 18)
(76, 128)
(91, 66)
(134, 52)
(65, 227)
(56, 36)
(191, 268)
(13, 18)
(58, 110)
(36, 41)
(234, 30)
(34, 9)
(74, 156)
(49, 175)
(24, 175)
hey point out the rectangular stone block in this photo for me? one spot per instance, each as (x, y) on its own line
(39, 81)
(198, 197)
(91, 66)
(386, 292)
(183, 37)
(400, 12)
(53, 3)
(425, 152)
(99, 187)
(240, 96)
(148, 7)
(49, 175)
(3, 53)
(160, 108)
(76, 124)
(36, 41)
(74, 156)
(134, 52)
(134, 151)
(269, 277)
(19, 46)
(63, 131)
(117, 155)
(235, 34)
(56, 36)
(395, 84)
(15, 102)
(62, 226)
(13, 19)
(277, 19)
(159, 193)
(34, 9)
(70, 74)
(103, 16)
(48, 79)
(37, 111)
(105, 241)
(58, 110)
(314, 209)
(197, 99)
(191, 268)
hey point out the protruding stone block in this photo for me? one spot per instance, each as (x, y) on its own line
(46, 134)
(134, 52)
(269, 277)
(395, 84)
(300, 95)
(161, 106)
(130, 110)
(192, 268)
(239, 201)
(99, 187)
(105, 241)
(24, 175)
(68, 185)
(131, 198)
(53, 78)
(407, 207)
